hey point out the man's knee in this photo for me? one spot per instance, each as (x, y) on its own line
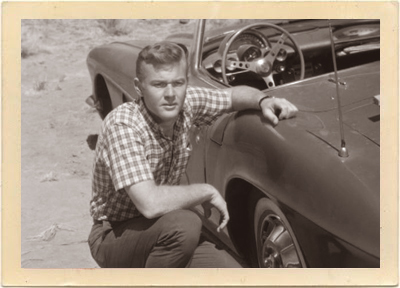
(184, 227)
(186, 220)
(178, 237)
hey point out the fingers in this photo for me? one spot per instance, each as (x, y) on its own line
(288, 110)
(219, 203)
(224, 215)
(223, 221)
(278, 107)
(270, 115)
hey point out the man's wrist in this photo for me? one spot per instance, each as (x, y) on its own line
(263, 98)
(210, 191)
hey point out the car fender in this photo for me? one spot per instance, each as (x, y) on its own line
(109, 62)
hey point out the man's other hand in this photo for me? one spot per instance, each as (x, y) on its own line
(219, 203)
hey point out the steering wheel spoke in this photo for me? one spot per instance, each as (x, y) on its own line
(273, 53)
(269, 80)
(265, 50)
(244, 66)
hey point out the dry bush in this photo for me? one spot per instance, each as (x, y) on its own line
(32, 38)
(32, 47)
(115, 27)
(26, 51)
(142, 29)
(40, 85)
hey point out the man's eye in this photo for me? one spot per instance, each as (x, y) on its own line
(177, 84)
(159, 85)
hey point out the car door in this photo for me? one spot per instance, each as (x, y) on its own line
(195, 170)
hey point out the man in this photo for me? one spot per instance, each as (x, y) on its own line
(142, 217)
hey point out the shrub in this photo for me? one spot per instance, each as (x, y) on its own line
(114, 27)
(40, 85)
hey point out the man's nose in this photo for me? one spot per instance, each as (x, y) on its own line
(169, 92)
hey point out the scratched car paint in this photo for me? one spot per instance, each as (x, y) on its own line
(306, 192)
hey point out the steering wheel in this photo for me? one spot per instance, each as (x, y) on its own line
(264, 64)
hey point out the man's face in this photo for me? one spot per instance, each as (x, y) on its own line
(164, 90)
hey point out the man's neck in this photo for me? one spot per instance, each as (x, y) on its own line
(168, 128)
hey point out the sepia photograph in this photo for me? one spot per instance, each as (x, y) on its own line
(293, 153)
(207, 142)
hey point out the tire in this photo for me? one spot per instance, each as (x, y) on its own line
(103, 96)
(276, 245)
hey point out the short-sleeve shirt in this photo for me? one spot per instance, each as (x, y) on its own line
(131, 148)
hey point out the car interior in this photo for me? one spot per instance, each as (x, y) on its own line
(355, 43)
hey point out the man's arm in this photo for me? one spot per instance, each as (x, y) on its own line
(154, 201)
(274, 109)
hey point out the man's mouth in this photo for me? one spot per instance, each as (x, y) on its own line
(170, 105)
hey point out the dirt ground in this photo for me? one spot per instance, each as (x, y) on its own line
(55, 122)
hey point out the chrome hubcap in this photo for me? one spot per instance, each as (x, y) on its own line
(277, 246)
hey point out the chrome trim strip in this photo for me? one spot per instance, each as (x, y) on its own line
(196, 49)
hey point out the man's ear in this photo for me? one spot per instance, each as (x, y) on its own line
(137, 85)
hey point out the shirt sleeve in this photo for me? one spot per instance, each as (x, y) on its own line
(125, 156)
(207, 104)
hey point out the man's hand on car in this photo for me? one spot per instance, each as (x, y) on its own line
(275, 109)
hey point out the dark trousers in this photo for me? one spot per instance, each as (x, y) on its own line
(171, 241)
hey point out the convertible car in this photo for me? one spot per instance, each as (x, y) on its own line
(305, 193)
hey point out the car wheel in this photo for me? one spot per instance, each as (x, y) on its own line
(276, 245)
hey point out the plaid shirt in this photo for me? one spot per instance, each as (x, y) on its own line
(132, 148)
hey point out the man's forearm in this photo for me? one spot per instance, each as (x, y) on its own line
(154, 201)
(273, 109)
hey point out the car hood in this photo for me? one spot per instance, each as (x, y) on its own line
(317, 96)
